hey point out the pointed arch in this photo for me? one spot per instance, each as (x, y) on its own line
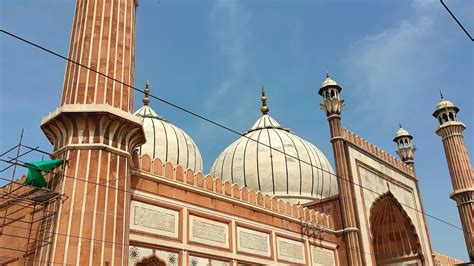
(394, 236)
(153, 260)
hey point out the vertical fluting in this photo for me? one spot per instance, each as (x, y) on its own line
(103, 39)
(461, 172)
(91, 226)
(346, 192)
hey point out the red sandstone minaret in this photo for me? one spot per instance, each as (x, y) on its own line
(95, 130)
(460, 168)
(332, 105)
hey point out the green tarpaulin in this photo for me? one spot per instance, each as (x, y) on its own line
(35, 178)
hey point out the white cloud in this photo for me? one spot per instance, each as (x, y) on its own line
(399, 61)
(229, 22)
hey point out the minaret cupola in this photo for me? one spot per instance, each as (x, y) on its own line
(330, 92)
(445, 111)
(405, 148)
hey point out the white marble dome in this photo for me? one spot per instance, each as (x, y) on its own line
(256, 166)
(167, 142)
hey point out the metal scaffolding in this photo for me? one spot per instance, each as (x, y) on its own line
(27, 213)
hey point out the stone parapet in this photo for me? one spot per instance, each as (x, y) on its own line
(216, 187)
(375, 151)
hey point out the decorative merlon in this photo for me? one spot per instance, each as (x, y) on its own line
(234, 191)
(377, 152)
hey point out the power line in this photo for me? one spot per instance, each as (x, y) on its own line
(217, 124)
(459, 23)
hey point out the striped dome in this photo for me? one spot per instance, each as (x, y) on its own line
(255, 165)
(167, 142)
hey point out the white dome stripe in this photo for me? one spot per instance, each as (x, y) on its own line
(271, 160)
(177, 145)
(233, 157)
(286, 158)
(245, 152)
(279, 162)
(299, 162)
(311, 162)
(168, 142)
(258, 165)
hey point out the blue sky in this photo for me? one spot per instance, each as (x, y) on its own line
(391, 58)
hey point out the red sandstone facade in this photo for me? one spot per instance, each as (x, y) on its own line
(460, 167)
(122, 208)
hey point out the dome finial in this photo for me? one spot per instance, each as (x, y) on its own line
(146, 99)
(264, 107)
(327, 74)
(441, 94)
(400, 124)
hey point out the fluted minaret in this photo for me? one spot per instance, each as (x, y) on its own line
(450, 130)
(405, 148)
(332, 105)
(94, 129)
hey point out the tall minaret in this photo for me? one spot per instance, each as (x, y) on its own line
(405, 148)
(406, 152)
(332, 105)
(94, 129)
(460, 168)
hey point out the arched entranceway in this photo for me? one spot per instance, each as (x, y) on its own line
(151, 261)
(394, 237)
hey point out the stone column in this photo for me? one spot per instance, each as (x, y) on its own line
(461, 172)
(332, 106)
(94, 129)
(102, 38)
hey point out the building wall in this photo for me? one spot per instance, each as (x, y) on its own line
(443, 260)
(185, 218)
(369, 171)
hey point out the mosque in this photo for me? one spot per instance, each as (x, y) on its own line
(135, 192)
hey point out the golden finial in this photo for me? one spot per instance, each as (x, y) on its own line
(146, 99)
(264, 107)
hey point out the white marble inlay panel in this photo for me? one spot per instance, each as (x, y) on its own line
(208, 232)
(290, 250)
(253, 242)
(153, 219)
(322, 256)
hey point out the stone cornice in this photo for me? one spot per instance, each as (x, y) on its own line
(91, 108)
(449, 129)
(93, 124)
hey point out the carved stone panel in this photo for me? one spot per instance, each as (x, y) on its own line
(290, 250)
(322, 256)
(153, 219)
(254, 242)
(209, 232)
(148, 256)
